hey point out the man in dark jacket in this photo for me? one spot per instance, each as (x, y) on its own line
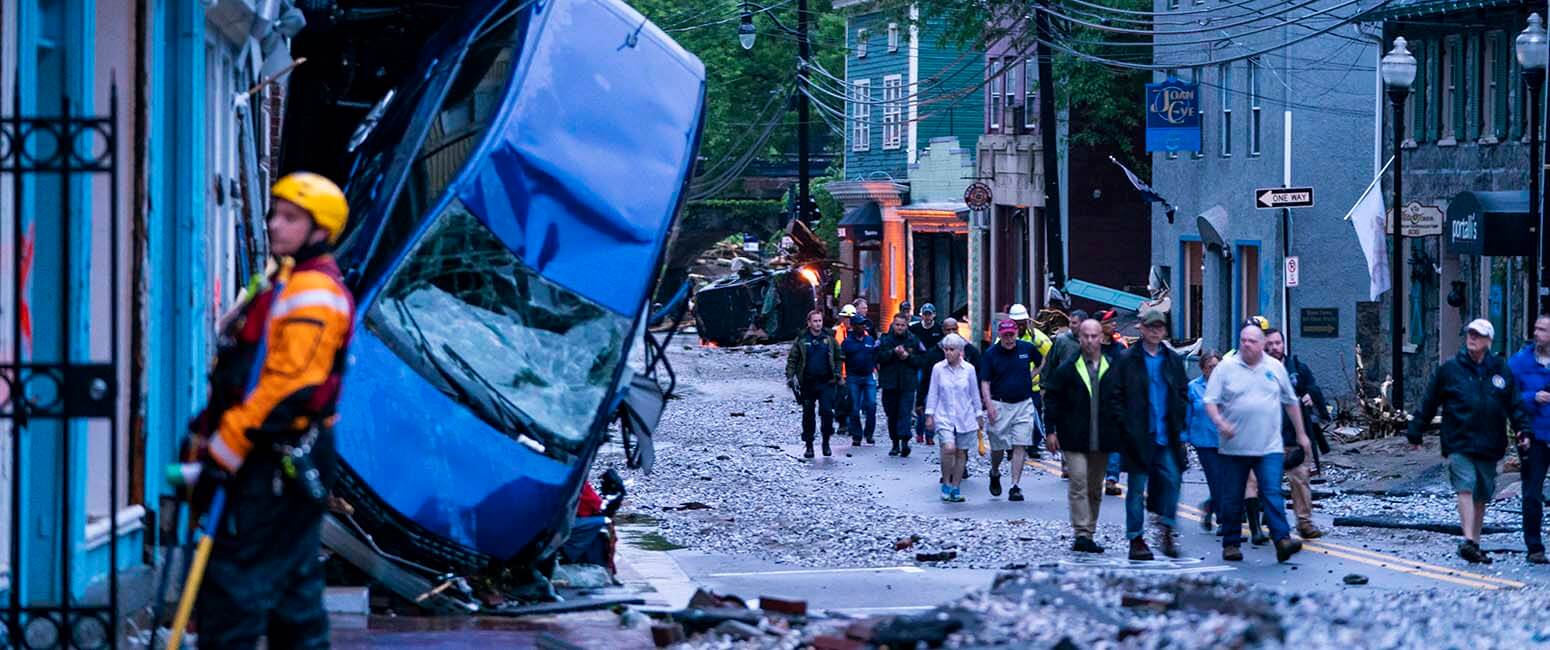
(813, 374)
(1308, 392)
(860, 353)
(1531, 368)
(900, 356)
(1153, 396)
(1478, 397)
(930, 333)
(1084, 424)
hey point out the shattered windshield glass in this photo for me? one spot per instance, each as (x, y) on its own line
(528, 355)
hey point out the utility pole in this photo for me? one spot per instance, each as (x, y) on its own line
(1054, 246)
(803, 173)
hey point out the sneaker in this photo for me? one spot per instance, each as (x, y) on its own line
(826, 450)
(995, 484)
(869, 439)
(1286, 548)
(1167, 542)
(1205, 521)
(1309, 531)
(947, 493)
(1139, 552)
(1111, 488)
(1015, 494)
(920, 439)
(1232, 554)
(809, 452)
(965, 472)
(895, 450)
(1085, 544)
(855, 442)
(957, 496)
(1538, 557)
(904, 450)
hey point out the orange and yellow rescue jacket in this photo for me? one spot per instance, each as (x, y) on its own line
(291, 340)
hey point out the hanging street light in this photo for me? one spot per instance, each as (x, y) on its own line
(1531, 51)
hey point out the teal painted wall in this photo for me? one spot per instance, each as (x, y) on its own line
(948, 100)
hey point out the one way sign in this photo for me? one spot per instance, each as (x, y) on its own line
(1283, 197)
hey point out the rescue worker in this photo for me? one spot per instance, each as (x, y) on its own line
(267, 432)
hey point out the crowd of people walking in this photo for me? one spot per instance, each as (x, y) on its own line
(1107, 407)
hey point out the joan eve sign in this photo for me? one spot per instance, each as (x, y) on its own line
(1173, 116)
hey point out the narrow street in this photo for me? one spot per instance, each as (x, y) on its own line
(754, 519)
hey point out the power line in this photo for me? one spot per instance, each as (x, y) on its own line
(1156, 33)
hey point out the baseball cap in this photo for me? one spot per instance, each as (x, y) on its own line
(928, 308)
(904, 306)
(1482, 327)
(1006, 326)
(1018, 312)
(858, 320)
(1153, 316)
(1107, 316)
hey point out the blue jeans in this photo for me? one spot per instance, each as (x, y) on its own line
(1235, 479)
(1211, 466)
(1163, 480)
(1115, 463)
(863, 403)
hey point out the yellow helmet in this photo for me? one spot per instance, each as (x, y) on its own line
(318, 196)
(1258, 321)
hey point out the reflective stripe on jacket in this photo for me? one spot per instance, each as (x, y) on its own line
(305, 323)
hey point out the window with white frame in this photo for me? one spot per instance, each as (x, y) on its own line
(1254, 108)
(1224, 80)
(1013, 91)
(1031, 92)
(995, 94)
(893, 37)
(893, 107)
(861, 115)
(861, 35)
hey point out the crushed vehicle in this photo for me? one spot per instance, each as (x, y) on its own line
(512, 201)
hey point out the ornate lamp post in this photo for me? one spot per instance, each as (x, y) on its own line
(1531, 53)
(1398, 69)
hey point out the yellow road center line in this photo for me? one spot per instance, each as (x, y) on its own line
(1384, 560)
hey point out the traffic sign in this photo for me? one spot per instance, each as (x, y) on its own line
(1291, 271)
(977, 196)
(1283, 197)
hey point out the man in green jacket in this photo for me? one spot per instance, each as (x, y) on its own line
(813, 374)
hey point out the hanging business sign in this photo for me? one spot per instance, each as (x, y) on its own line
(1418, 220)
(1173, 116)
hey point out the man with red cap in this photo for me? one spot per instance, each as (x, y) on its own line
(1006, 386)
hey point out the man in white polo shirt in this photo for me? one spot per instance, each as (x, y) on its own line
(1246, 397)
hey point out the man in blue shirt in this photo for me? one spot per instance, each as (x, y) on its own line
(1006, 384)
(860, 354)
(1153, 400)
(1531, 367)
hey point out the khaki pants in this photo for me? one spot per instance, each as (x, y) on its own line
(1302, 494)
(1084, 491)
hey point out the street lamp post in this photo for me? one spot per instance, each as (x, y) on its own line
(1398, 69)
(1531, 53)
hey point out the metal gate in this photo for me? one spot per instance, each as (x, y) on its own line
(74, 149)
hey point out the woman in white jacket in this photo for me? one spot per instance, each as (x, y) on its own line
(953, 412)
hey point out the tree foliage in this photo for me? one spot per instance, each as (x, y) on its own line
(740, 83)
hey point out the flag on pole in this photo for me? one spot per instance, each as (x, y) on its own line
(1367, 216)
(1146, 191)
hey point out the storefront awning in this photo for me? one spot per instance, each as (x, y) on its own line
(1490, 223)
(863, 224)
